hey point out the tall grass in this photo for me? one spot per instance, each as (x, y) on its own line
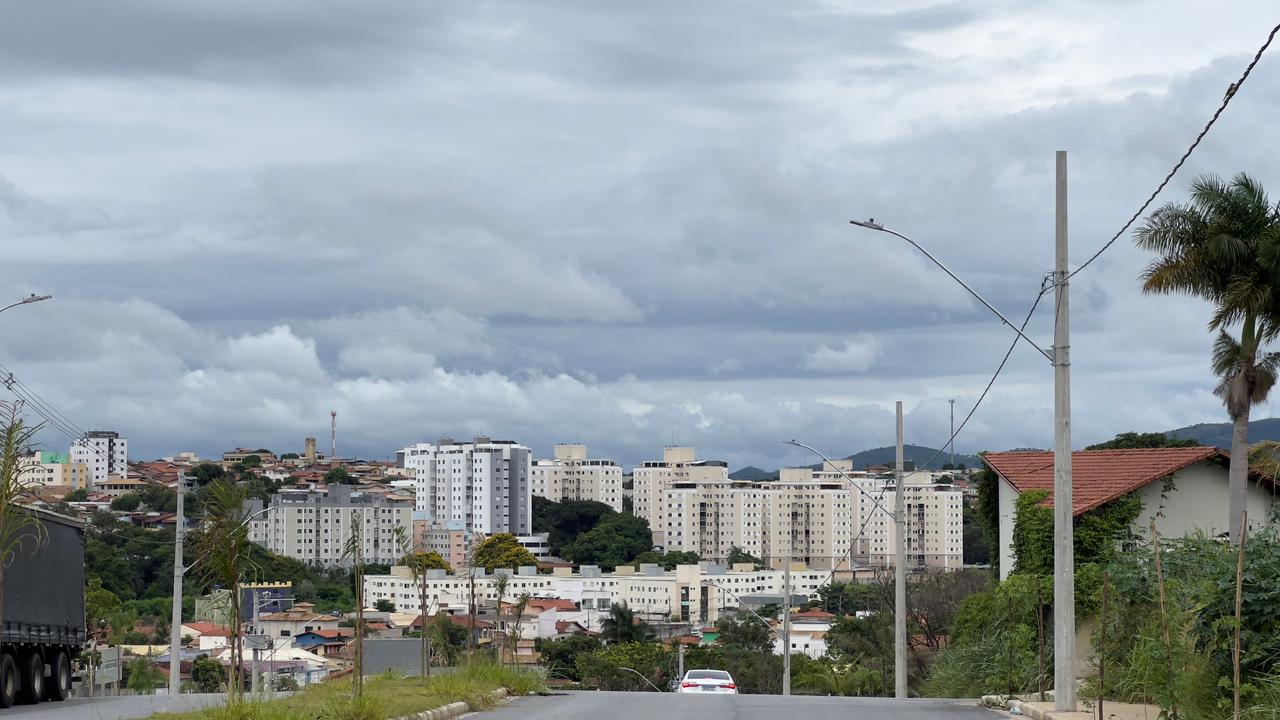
(385, 696)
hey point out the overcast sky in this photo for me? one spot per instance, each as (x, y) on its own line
(620, 223)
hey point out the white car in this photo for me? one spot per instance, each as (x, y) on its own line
(705, 682)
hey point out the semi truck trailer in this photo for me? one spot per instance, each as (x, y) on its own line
(43, 609)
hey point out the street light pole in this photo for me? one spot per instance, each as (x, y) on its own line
(900, 572)
(33, 298)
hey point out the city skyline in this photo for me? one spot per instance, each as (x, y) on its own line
(552, 224)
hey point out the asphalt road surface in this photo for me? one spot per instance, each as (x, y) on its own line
(672, 706)
(124, 707)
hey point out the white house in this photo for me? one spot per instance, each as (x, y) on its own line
(1194, 497)
(808, 633)
(296, 620)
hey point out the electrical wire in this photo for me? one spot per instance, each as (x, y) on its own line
(1232, 91)
(1044, 288)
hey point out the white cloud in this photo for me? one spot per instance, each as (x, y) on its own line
(854, 356)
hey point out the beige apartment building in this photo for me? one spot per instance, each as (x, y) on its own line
(314, 526)
(805, 521)
(653, 478)
(571, 475)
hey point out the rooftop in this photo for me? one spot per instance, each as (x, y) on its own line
(1098, 476)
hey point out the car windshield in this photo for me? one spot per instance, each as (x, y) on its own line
(707, 675)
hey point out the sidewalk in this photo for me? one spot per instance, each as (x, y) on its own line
(1112, 710)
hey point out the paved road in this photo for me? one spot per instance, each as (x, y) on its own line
(670, 706)
(125, 707)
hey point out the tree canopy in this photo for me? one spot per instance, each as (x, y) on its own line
(564, 521)
(1136, 440)
(617, 540)
(622, 626)
(339, 476)
(737, 555)
(502, 551)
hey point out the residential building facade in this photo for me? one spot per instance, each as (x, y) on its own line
(1183, 490)
(313, 526)
(105, 452)
(654, 477)
(51, 468)
(571, 475)
(480, 487)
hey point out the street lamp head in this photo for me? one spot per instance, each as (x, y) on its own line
(869, 223)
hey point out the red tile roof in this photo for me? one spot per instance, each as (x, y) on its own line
(1097, 476)
(550, 603)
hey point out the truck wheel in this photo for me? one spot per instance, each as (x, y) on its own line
(31, 665)
(8, 681)
(58, 685)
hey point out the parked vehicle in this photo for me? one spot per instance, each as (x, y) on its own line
(43, 610)
(707, 682)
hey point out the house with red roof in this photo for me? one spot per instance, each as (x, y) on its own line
(1183, 489)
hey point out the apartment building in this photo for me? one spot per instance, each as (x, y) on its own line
(313, 526)
(935, 515)
(105, 452)
(479, 487)
(452, 545)
(654, 477)
(808, 521)
(690, 593)
(52, 468)
(571, 475)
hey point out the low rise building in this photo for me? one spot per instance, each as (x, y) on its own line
(45, 468)
(690, 593)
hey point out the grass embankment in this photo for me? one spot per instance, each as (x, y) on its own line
(384, 697)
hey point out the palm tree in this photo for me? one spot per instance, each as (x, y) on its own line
(1224, 246)
(222, 546)
(500, 583)
(622, 627)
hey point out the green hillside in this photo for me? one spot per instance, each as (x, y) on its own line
(1219, 434)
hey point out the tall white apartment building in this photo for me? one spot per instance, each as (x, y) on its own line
(481, 487)
(935, 525)
(806, 521)
(314, 526)
(653, 478)
(935, 515)
(571, 475)
(105, 452)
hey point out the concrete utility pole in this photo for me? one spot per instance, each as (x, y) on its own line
(1064, 591)
(681, 660)
(900, 574)
(786, 618)
(175, 619)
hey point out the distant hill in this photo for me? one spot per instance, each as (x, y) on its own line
(1219, 434)
(751, 473)
(876, 456)
(915, 453)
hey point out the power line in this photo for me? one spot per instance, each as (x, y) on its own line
(1232, 90)
(1044, 288)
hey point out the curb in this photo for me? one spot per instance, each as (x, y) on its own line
(452, 710)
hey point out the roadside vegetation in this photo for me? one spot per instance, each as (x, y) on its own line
(385, 696)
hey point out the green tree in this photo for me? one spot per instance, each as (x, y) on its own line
(77, 495)
(222, 544)
(339, 476)
(205, 473)
(737, 556)
(622, 626)
(252, 461)
(617, 540)
(501, 551)
(669, 560)
(747, 633)
(603, 668)
(207, 674)
(144, 677)
(290, 456)
(384, 605)
(1224, 246)
(561, 656)
(1136, 440)
(564, 521)
(127, 502)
